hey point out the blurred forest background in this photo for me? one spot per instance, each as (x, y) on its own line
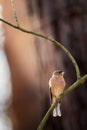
(32, 61)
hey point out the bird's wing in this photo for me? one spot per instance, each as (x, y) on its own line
(50, 94)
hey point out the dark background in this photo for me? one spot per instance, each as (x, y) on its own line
(66, 21)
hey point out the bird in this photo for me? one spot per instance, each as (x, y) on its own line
(56, 86)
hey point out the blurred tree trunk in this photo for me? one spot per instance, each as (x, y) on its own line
(66, 22)
(32, 61)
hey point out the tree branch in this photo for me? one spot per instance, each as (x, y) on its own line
(50, 39)
(79, 81)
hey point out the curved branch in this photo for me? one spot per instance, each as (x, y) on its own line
(79, 81)
(50, 39)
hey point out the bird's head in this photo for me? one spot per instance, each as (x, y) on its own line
(58, 72)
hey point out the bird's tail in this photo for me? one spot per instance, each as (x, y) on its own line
(56, 111)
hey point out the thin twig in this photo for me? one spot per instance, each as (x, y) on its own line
(50, 39)
(68, 91)
(14, 11)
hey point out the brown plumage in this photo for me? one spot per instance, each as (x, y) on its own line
(56, 85)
